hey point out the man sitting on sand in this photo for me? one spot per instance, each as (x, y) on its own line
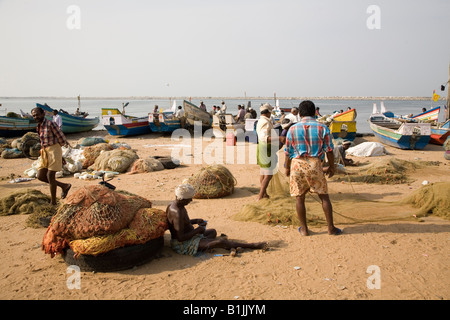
(189, 240)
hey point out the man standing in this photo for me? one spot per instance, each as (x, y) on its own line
(52, 138)
(57, 119)
(268, 145)
(307, 142)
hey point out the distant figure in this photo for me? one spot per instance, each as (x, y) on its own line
(155, 109)
(202, 106)
(424, 110)
(180, 115)
(285, 125)
(293, 115)
(240, 117)
(253, 112)
(77, 112)
(57, 118)
(223, 109)
(213, 111)
(188, 240)
(339, 154)
(318, 115)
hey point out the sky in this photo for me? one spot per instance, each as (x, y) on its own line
(218, 48)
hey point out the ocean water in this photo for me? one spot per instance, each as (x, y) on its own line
(141, 108)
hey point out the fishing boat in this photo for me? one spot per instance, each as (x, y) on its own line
(163, 122)
(16, 127)
(399, 134)
(194, 114)
(440, 132)
(342, 125)
(71, 123)
(119, 124)
(430, 115)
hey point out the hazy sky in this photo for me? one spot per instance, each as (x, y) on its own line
(223, 48)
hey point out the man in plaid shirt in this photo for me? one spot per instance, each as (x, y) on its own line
(307, 143)
(52, 138)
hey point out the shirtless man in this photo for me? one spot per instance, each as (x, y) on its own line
(189, 240)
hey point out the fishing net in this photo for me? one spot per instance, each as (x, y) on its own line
(348, 208)
(385, 171)
(91, 211)
(213, 181)
(431, 199)
(31, 202)
(146, 165)
(116, 160)
(148, 224)
(92, 152)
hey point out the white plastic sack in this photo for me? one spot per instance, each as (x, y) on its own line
(367, 149)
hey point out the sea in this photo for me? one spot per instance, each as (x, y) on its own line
(141, 107)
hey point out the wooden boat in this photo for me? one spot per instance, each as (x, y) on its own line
(430, 115)
(16, 127)
(119, 124)
(342, 125)
(163, 122)
(71, 123)
(402, 135)
(440, 133)
(194, 114)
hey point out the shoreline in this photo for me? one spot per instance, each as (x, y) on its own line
(369, 98)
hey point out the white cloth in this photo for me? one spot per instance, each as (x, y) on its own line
(184, 191)
(57, 119)
(293, 118)
(180, 113)
(263, 128)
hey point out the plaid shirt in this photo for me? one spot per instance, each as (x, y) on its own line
(308, 138)
(50, 134)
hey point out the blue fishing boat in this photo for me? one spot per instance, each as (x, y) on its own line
(399, 134)
(163, 122)
(16, 127)
(440, 132)
(71, 123)
(119, 124)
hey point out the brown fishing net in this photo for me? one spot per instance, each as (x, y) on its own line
(384, 171)
(146, 165)
(91, 153)
(91, 211)
(349, 208)
(431, 199)
(213, 181)
(116, 160)
(148, 224)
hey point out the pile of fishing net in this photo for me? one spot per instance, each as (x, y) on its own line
(96, 219)
(146, 165)
(28, 201)
(91, 153)
(117, 160)
(213, 181)
(348, 208)
(384, 171)
(431, 199)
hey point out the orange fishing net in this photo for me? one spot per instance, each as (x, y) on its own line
(91, 211)
(148, 224)
(91, 153)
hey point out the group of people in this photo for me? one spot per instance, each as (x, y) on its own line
(307, 142)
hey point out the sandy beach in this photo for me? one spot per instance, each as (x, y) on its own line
(412, 256)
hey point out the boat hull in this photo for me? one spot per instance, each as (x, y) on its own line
(194, 114)
(438, 136)
(15, 127)
(70, 123)
(118, 124)
(343, 129)
(163, 122)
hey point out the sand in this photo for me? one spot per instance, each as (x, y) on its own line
(411, 257)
